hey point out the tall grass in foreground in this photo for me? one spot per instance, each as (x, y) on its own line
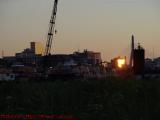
(103, 99)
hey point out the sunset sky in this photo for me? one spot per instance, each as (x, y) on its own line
(105, 26)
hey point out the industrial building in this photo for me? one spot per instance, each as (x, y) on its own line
(32, 55)
(139, 60)
(87, 57)
(79, 58)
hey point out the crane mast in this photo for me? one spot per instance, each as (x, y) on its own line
(51, 30)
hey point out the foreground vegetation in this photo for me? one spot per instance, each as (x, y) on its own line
(116, 99)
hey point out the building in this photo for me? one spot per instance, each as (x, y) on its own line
(87, 57)
(139, 60)
(156, 63)
(26, 57)
(32, 55)
(79, 58)
(37, 48)
(56, 60)
(149, 63)
(9, 60)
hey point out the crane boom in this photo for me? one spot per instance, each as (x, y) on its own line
(51, 29)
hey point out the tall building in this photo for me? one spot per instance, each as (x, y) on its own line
(139, 60)
(37, 48)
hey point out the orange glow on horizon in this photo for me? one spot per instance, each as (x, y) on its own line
(121, 62)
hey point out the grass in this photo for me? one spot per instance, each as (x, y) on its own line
(116, 99)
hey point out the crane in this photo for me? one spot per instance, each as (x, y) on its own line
(51, 30)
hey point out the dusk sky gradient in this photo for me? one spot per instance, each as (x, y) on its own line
(105, 26)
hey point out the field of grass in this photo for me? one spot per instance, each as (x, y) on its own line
(116, 99)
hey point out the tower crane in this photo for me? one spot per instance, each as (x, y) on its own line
(51, 30)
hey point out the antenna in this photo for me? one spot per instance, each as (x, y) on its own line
(2, 54)
(153, 54)
(132, 51)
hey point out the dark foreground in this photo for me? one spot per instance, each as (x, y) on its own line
(85, 100)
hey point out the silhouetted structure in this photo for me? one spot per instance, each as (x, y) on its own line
(32, 55)
(138, 60)
(51, 30)
(87, 57)
(79, 58)
(132, 52)
(37, 48)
